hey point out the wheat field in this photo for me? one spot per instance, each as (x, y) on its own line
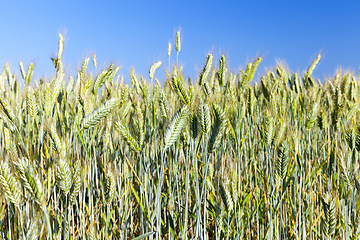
(229, 155)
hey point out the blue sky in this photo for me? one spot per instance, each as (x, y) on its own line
(136, 34)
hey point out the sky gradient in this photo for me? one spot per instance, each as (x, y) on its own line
(136, 34)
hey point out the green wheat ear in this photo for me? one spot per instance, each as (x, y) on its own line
(250, 103)
(10, 146)
(140, 124)
(206, 71)
(27, 76)
(356, 227)
(344, 169)
(282, 161)
(329, 215)
(33, 231)
(31, 103)
(22, 70)
(103, 77)
(178, 42)
(76, 183)
(357, 139)
(268, 129)
(30, 180)
(125, 134)
(9, 184)
(254, 68)
(100, 113)
(63, 175)
(57, 145)
(7, 108)
(222, 71)
(204, 118)
(280, 132)
(193, 126)
(218, 128)
(169, 49)
(110, 187)
(175, 127)
(226, 196)
(94, 61)
(350, 136)
(321, 120)
(153, 69)
(338, 105)
(163, 103)
(180, 89)
(313, 65)
(312, 116)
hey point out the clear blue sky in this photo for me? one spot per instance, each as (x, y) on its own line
(136, 33)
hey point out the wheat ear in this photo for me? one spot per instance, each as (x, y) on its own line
(110, 187)
(125, 134)
(282, 161)
(175, 127)
(218, 128)
(177, 42)
(226, 196)
(9, 184)
(222, 71)
(313, 65)
(153, 69)
(205, 72)
(312, 116)
(268, 128)
(95, 117)
(204, 118)
(31, 103)
(63, 175)
(7, 108)
(10, 146)
(344, 169)
(329, 215)
(76, 183)
(193, 126)
(164, 105)
(30, 180)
